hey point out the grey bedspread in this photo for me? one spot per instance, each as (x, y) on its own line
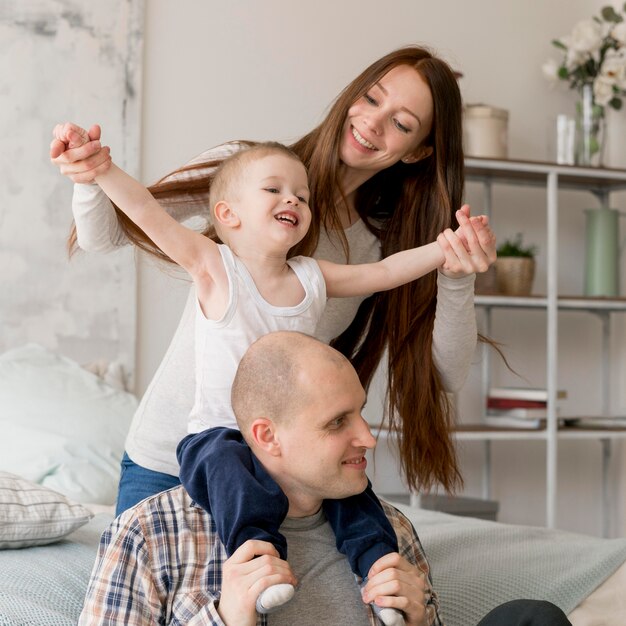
(477, 564)
(46, 585)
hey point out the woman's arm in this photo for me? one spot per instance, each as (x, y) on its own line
(97, 226)
(454, 332)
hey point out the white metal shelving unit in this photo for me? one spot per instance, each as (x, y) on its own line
(599, 182)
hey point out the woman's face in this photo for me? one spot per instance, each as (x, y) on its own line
(389, 122)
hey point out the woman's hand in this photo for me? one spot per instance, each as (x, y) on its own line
(78, 152)
(471, 248)
(251, 569)
(393, 582)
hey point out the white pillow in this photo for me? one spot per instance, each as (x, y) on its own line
(32, 515)
(60, 425)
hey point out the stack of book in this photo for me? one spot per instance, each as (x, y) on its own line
(518, 407)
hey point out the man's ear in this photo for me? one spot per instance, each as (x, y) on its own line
(421, 152)
(263, 435)
(224, 214)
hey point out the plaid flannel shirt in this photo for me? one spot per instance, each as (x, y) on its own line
(161, 563)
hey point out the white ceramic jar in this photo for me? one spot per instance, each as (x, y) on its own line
(485, 130)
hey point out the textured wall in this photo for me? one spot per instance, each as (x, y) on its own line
(63, 60)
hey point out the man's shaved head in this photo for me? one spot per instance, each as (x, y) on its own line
(276, 376)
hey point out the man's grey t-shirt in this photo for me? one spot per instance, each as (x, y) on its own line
(327, 591)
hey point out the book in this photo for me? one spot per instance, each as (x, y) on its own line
(524, 393)
(515, 403)
(522, 413)
(512, 422)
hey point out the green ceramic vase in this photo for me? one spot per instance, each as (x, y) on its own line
(602, 253)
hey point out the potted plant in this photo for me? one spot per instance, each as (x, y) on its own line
(593, 62)
(515, 267)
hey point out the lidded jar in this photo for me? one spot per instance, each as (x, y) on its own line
(485, 130)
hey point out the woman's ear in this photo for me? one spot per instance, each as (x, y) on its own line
(263, 436)
(421, 152)
(224, 214)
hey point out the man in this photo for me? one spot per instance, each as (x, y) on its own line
(298, 403)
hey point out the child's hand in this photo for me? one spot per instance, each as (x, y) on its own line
(69, 136)
(78, 152)
(469, 249)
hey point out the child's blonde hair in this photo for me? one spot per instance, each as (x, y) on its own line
(229, 172)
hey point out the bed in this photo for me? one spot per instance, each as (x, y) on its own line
(63, 433)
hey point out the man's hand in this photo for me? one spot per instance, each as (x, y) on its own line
(245, 577)
(395, 583)
(78, 152)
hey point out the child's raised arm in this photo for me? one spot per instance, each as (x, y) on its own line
(395, 270)
(343, 281)
(194, 252)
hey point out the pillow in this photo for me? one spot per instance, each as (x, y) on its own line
(32, 515)
(61, 425)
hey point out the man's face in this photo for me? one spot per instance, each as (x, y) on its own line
(323, 445)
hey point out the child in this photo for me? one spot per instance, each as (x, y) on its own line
(246, 287)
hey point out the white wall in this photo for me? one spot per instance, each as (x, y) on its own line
(58, 60)
(267, 70)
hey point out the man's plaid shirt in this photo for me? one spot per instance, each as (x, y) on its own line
(161, 563)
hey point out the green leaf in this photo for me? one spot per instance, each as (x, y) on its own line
(558, 44)
(616, 103)
(597, 111)
(514, 247)
(562, 73)
(609, 14)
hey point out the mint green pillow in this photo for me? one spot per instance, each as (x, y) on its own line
(62, 426)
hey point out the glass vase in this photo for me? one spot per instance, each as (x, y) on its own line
(590, 130)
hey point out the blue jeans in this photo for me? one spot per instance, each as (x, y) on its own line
(137, 483)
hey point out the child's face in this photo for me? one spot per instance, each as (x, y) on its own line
(273, 198)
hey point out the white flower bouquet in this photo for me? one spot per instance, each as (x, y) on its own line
(594, 54)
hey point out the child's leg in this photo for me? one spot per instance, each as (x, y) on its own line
(364, 534)
(362, 531)
(220, 473)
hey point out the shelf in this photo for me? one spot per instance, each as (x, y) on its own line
(552, 178)
(482, 432)
(536, 173)
(580, 303)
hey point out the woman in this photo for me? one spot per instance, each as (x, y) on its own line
(386, 173)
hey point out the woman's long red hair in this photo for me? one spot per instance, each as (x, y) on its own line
(406, 205)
